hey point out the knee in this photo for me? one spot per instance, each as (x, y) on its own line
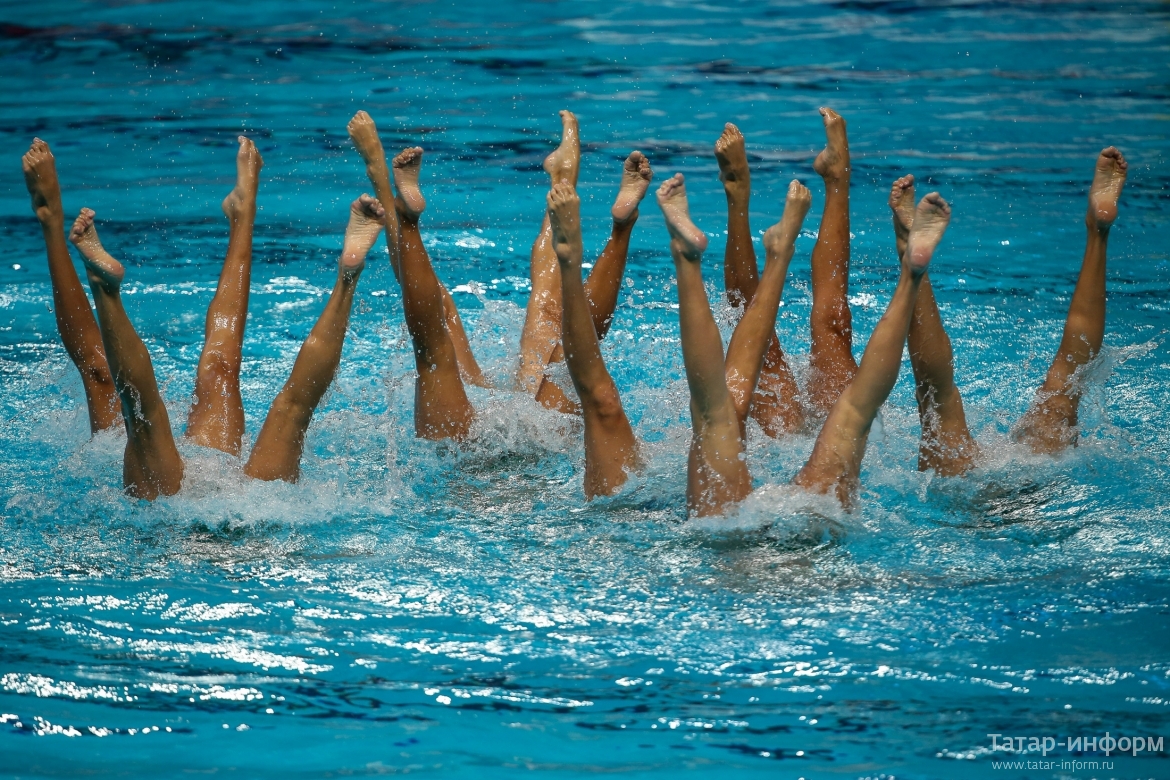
(833, 317)
(219, 369)
(605, 402)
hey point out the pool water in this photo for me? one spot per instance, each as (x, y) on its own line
(412, 606)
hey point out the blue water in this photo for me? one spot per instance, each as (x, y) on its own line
(410, 606)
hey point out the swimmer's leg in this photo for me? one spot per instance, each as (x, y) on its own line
(1050, 424)
(216, 418)
(79, 331)
(611, 449)
(441, 407)
(151, 465)
(278, 449)
(831, 357)
(946, 445)
(717, 473)
(835, 463)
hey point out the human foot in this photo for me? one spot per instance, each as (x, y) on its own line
(564, 214)
(930, 222)
(366, 219)
(833, 161)
(636, 175)
(40, 176)
(241, 201)
(1108, 180)
(782, 236)
(672, 199)
(902, 204)
(565, 162)
(104, 270)
(409, 201)
(364, 134)
(733, 165)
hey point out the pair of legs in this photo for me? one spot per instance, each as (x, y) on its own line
(540, 341)
(722, 388)
(1049, 425)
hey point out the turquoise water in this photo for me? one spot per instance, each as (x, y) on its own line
(461, 612)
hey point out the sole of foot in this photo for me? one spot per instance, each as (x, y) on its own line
(672, 199)
(364, 134)
(40, 176)
(902, 205)
(565, 163)
(409, 201)
(930, 222)
(833, 162)
(103, 269)
(636, 176)
(366, 219)
(781, 236)
(731, 155)
(242, 198)
(564, 215)
(1108, 180)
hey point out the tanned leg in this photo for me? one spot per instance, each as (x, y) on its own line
(151, 465)
(946, 445)
(278, 449)
(831, 358)
(611, 449)
(1050, 424)
(216, 418)
(364, 134)
(441, 408)
(835, 463)
(75, 322)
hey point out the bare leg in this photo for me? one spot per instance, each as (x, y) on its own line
(835, 463)
(75, 322)
(277, 454)
(946, 445)
(216, 418)
(831, 358)
(364, 135)
(776, 403)
(611, 449)
(151, 465)
(441, 408)
(1050, 424)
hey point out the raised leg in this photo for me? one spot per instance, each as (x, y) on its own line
(278, 449)
(441, 407)
(835, 463)
(151, 465)
(946, 445)
(831, 358)
(75, 321)
(611, 449)
(1050, 424)
(216, 418)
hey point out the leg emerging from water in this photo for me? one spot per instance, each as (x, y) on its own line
(1050, 424)
(835, 463)
(79, 331)
(278, 449)
(831, 358)
(611, 449)
(216, 418)
(946, 445)
(441, 407)
(776, 403)
(151, 465)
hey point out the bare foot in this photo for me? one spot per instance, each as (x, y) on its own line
(902, 204)
(104, 271)
(564, 214)
(672, 199)
(409, 202)
(565, 162)
(930, 222)
(364, 135)
(241, 201)
(833, 161)
(1108, 180)
(40, 176)
(366, 219)
(733, 164)
(636, 175)
(782, 236)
